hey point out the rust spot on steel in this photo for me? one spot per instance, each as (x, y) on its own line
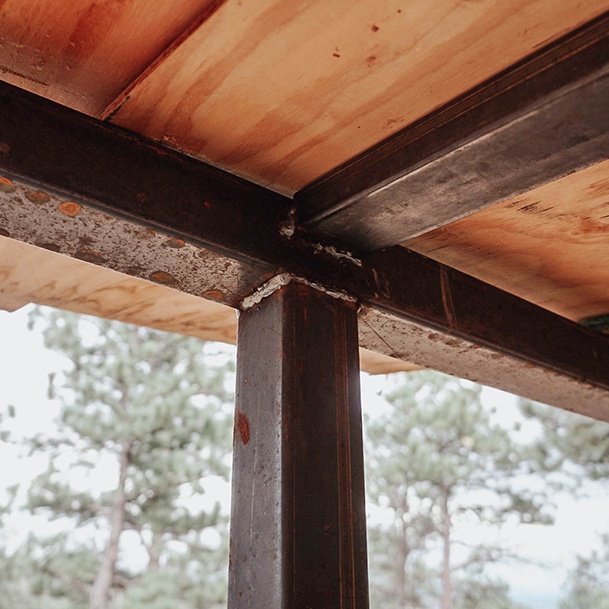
(88, 255)
(174, 243)
(242, 425)
(52, 247)
(214, 295)
(7, 185)
(37, 196)
(164, 278)
(69, 208)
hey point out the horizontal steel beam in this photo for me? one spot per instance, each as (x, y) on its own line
(92, 191)
(539, 120)
(122, 173)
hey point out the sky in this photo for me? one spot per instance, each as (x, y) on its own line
(24, 368)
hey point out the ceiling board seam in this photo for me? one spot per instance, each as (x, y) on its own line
(115, 105)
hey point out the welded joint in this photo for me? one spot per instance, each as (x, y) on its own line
(288, 228)
(282, 279)
(339, 254)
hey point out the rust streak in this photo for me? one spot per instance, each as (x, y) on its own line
(447, 299)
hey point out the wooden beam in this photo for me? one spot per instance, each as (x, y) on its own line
(160, 229)
(539, 120)
(298, 524)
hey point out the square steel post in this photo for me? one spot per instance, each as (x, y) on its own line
(298, 529)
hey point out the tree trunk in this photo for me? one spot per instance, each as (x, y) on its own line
(100, 591)
(447, 588)
(402, 561)
(154, 551)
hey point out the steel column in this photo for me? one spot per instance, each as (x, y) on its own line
(298, 532)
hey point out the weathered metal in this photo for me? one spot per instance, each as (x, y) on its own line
(539, 120)
(43, 219)
(298, 526)
(226, 250)
(56, 149)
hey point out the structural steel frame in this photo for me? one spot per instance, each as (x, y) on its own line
(312, 273)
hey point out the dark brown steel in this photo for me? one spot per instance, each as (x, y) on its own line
(224, 250)
(298, 527)
(121, 173)
(539, 120)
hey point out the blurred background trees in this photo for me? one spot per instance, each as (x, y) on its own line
(151, 413)
(130, 508)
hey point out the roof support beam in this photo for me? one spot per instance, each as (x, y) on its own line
(89, 190)
(537, 121)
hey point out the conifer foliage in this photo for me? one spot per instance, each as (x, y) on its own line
(150, 413)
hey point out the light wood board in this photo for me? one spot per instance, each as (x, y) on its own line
(31, 274)
(549, 246)
(281, 91)
(83, 53)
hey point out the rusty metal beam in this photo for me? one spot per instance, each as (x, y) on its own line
(298, 525)
(539, 120)
(120, 211)
(119, 172)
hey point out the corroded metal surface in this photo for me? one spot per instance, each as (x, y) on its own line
(392, 335)
(48, 221)
(298, 525)
(176, 221)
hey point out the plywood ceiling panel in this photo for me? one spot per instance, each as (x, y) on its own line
(281, 91)
(549, 246)
(83, 53)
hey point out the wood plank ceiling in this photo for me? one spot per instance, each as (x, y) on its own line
(281, 92)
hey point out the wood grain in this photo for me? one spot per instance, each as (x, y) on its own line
(83, 53)
(549, 246)
(31, 274)
(281, 92)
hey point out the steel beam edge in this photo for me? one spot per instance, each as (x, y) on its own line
(537, 121)
(389, 334)
(34, 215)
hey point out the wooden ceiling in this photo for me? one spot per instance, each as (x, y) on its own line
(281, 92)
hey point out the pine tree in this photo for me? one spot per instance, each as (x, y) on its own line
(588, 584)
(154, 409)
(436, 459)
